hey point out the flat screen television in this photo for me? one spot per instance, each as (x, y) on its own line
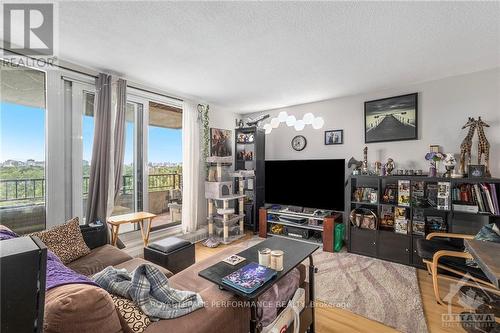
(306, 183)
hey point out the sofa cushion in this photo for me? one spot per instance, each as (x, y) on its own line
(80, 308)
(66, 241)
(135, 320)
(98, 259)
(132, 264)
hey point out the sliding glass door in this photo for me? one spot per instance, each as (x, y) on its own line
(22, 148)
(130, 198)
(164, 164)
(152, 165)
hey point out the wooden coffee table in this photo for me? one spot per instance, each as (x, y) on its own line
(139, 217)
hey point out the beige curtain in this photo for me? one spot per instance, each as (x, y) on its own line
(190, 166)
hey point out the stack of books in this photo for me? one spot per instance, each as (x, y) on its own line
(476, 198)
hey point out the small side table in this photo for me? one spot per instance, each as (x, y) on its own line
(139, 217)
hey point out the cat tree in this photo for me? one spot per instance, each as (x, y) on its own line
(223, 224)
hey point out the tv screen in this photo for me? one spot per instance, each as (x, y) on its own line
(306, 183)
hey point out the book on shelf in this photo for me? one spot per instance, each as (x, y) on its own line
(443, 195)
(476, 198)
(419, 228)
(418, 222)
(404, 192)
(494, 197)
(390, 194)
(432, 194)
(400, 220)
(487, 196)
(435, 224)
(418, 194)
(465, 207)
(387, 217)
(364, 194)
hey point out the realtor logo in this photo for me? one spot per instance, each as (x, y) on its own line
(29, 28)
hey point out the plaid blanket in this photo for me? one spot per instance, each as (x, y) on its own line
(149, 289)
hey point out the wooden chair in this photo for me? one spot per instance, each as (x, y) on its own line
(445, 257)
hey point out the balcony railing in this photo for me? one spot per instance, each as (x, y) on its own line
(23, 190)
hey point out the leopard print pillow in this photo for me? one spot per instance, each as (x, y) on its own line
(134, 317)
(66, 241)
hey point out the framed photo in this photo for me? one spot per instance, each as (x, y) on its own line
(220, 142)
(391, 119)
(477, 171)
(334, 137)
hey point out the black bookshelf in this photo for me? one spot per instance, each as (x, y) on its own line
(401, 248)
(255, 192)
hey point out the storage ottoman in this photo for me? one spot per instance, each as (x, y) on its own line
(175, 254)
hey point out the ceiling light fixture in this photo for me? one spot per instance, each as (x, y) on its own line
(291, 121)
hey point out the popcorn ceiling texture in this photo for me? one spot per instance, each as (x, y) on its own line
(255, 56)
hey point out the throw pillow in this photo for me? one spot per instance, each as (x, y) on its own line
(66, 241)
(136, 320)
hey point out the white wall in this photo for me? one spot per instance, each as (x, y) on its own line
(219, 118)
(444, 106)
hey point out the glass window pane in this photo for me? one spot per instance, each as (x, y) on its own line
(87, 142)
(130, 197)
(165, 164)
(22, 151)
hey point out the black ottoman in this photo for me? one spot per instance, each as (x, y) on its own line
(175, 254)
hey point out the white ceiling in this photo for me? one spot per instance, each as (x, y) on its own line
(254, 56)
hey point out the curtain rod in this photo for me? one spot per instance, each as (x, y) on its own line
(95, 76)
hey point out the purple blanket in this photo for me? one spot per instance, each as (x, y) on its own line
(57, 273)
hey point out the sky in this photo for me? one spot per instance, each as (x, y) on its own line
(22, 132)
(22, 137)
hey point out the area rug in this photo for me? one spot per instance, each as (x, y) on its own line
(376, 289)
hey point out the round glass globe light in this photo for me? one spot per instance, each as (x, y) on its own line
(282, 116)
(275, 123)
(318, 122)
(299, 125)
(290, 121)
(308, 118)
(267, 128)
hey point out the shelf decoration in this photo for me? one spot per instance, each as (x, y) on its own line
(290, 120)
(434, 158)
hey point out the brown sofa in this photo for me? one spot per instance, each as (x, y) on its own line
(214, 317)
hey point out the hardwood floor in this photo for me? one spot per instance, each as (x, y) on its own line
(332, 320)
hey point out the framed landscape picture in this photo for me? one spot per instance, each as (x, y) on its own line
(391, 119)
(334, 137)
(220, 142)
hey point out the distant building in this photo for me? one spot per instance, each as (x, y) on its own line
(31, 162)
(12, 163)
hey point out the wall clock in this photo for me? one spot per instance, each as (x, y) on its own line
(299, 142)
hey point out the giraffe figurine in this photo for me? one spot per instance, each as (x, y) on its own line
(483, 146)
(466, 146)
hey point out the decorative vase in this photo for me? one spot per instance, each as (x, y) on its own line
(432, 169)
